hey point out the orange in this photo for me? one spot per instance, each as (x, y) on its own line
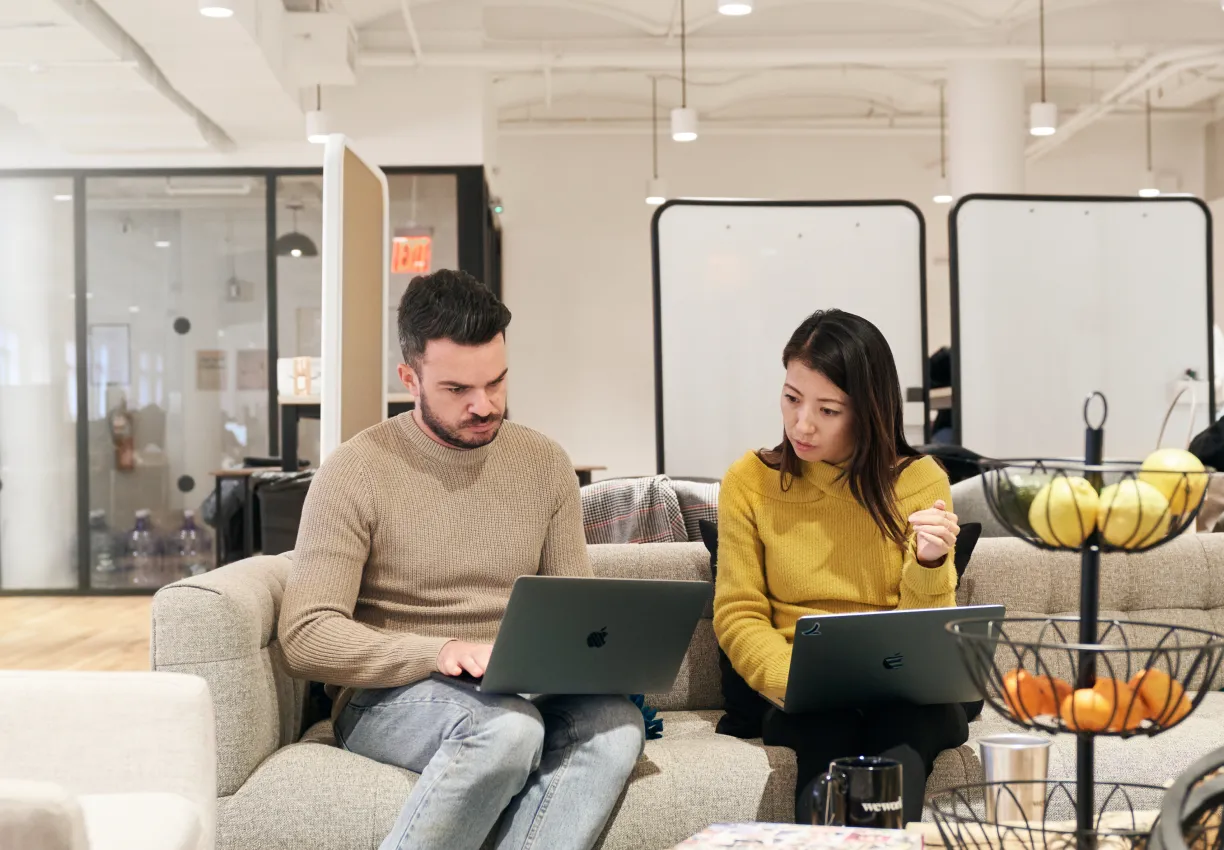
(1087, 710)
(1028, 696)
(1164, 698)
(1126, 714)
(1062, 690)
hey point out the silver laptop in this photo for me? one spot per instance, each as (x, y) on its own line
(593, 635)
(909, 656)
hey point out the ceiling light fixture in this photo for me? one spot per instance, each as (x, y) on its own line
(739, 8)
(162, 243)
(656, 189)
(683, 119)
(217, 8)
(318, 122)
(295, 243)
(942, 194)
(1043, 115)
(61, 197)
(1147, 181)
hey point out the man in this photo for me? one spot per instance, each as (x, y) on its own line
(411, 538)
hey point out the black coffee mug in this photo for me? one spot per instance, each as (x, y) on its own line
(862, 791)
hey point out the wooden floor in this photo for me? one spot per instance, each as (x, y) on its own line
(74, 633)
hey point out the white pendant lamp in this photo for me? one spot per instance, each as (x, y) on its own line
(943, 194)
(1147, 181)
(1043, 118)
(318, 122)
(683, 119)
(739, 8)
(216, 8)
(684, 124)
(656, 189)
(1043, 115)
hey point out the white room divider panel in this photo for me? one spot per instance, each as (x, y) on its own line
(1055, 297)
(732, 281)
(356, 257)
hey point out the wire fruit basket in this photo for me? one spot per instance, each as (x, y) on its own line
(1080, 674)
(1146, 677)
(1121, 819)
(1059, 504)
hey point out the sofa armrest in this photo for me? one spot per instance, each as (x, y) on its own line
(112, 733)
(221, 626)
(39, 816)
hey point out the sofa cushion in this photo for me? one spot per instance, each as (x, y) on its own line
(1145, 760)
(698, 684)
(140, 821)
(315, 795)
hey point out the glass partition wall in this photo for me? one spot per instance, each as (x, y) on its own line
(141, 317)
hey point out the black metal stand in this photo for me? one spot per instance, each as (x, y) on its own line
(1090, 600)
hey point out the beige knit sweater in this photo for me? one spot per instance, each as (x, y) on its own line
(406, 544)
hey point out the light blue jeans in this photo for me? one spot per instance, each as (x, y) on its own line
(556, 765)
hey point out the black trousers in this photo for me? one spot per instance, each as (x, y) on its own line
(912, 734)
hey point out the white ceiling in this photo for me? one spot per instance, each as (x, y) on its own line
(574, 65)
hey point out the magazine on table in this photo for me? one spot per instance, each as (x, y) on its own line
(784, 836)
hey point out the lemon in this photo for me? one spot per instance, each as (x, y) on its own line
(1133, 513)
(1064, 511)
(1178, 475)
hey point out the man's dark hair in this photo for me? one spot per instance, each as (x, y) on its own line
(448, 305)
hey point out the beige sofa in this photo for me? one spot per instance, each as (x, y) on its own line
(106, 761)
(279, 788)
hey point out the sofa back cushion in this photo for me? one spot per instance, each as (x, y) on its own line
(698, 685)
(1180, 583)
(222, 626)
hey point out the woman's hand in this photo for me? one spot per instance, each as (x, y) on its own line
(935, 530)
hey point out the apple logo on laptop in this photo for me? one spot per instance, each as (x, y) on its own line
(893, 662)
(597, 639)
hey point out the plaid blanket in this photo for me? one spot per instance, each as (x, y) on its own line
(636, 510)
(698, 501)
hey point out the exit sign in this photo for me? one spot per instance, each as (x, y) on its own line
(411, 254)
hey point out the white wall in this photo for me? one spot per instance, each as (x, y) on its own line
(577, 249)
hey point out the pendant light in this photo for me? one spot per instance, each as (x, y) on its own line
(1043, 115)
(656, 189)
(216, 8)
(739, 8)
(1147, 183)
(683, 119)
(318, 122)
(943, 195)
(295, 243)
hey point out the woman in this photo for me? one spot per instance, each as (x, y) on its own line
(843, 516)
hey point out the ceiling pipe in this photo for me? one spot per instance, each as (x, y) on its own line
(1147, 76)
(653, 59)
(94, 20)
(413, 37)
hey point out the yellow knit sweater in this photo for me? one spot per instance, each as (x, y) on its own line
(812, 549)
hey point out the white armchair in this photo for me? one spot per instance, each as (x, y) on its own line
(106, 761)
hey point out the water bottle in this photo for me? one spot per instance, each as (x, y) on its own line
(142, 553)
(105, 569)
(192, 549)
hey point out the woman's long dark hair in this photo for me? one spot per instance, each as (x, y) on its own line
(852, 353)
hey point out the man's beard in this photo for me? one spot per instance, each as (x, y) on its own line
(452, 436)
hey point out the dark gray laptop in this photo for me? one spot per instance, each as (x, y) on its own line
(594, 635)
(887, 656)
